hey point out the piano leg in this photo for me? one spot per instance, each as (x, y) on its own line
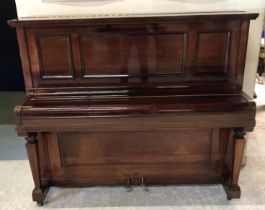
(232, 188)
(39, 193)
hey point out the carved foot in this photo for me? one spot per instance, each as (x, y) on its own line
(232, 191)
(39, 195)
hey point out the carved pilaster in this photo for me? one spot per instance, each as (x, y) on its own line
(39, 193)
(232, 188)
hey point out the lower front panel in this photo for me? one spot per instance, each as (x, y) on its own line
(161, 157)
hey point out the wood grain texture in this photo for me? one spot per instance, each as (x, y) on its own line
(55, 57)
(135, 55)
(212, 58)
(137, 147)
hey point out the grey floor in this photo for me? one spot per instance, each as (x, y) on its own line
(11, 146)
(16, 182)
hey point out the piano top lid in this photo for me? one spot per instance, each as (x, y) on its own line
(118, 18)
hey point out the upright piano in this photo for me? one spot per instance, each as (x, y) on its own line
(135, 100)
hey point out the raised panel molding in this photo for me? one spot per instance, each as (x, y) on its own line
(55, 56)
(129, 148)
(133, 55)
(212, 54)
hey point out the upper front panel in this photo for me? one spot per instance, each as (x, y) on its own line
(134, 53)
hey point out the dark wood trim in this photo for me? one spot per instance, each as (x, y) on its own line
(242, 53)
(24, 55)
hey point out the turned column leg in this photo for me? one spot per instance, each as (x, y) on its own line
(39, 193)
(232, 188)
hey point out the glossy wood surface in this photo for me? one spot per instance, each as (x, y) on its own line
(135, 101)
(82, 55)
(158, 147)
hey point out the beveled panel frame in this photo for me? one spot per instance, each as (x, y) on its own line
(93, 170)
(126, 76)
(137, 151)
(69, 57)
(224, 71)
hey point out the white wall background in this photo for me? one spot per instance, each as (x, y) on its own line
(253, 54)
(28, 8)
(35, 8)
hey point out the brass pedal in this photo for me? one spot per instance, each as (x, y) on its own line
(143, 185)
(129, 185)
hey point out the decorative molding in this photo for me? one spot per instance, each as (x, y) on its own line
(69, 56)
(223, 71)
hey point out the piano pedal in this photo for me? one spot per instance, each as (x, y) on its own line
(129, 185)
(143, 185)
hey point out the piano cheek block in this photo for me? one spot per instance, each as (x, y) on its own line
(134, 101)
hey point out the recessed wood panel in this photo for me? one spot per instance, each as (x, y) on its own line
(212, 52)
(133, 55)
(55, 57)
(139, 147)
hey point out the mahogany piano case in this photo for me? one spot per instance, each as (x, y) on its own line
(134, 100)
